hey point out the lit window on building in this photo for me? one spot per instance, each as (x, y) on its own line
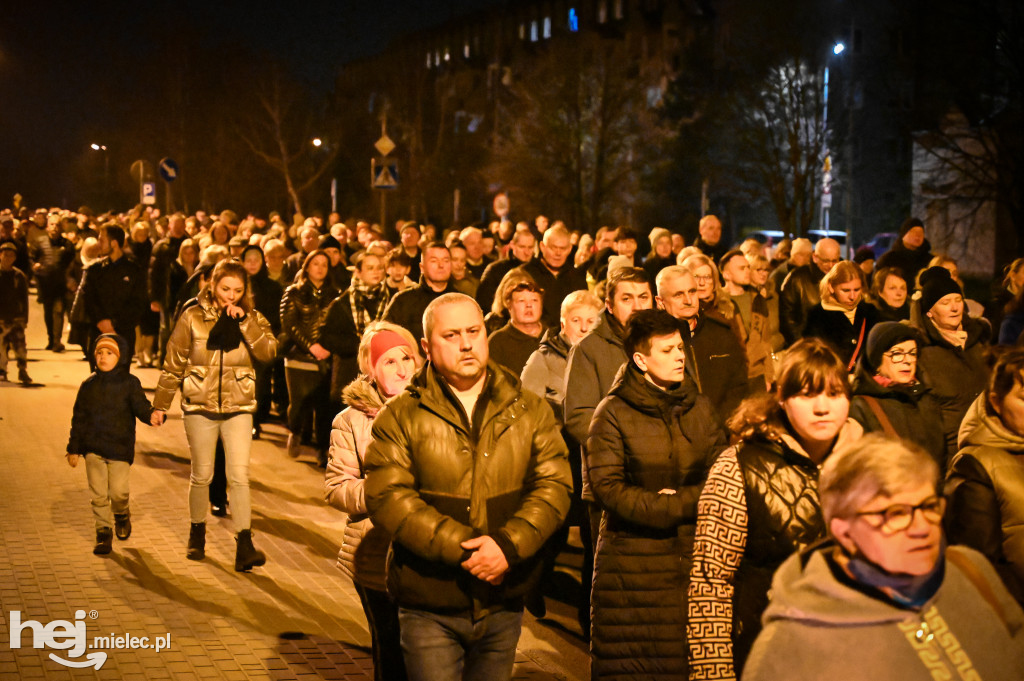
(522, 31)
(547, 27)
(574, 20)
(437, 57)
(618, 9)
(602, 11)
(447, 54)
(465, 49)
(533, 31)
(428, 59)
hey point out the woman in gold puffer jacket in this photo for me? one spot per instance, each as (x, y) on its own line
(210, 356)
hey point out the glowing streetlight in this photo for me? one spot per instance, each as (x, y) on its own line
(98, 147)
(317, 141)
(838, 48)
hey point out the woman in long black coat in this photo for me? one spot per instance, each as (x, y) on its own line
(652, 441)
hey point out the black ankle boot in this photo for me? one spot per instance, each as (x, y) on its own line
(246, 555)
(104, 538)
(196, 542)
(123, 525)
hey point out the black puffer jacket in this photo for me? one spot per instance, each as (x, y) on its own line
(912, 410)
(644, 440)
(303, 310)
(406, 307)
(957, 376)
(103, 420)
(433, 481)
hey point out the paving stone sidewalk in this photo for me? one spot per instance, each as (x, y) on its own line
(296, 618)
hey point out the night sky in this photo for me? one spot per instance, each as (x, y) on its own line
(70, 69)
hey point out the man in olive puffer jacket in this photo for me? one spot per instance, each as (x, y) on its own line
(469, 474)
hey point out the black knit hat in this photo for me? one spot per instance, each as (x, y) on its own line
(936, 282)
(909, 224)
(863, 254)
(883, 336)
(329, 242)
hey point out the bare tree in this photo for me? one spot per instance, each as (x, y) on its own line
(580, 135)
(779, 142)
(278, 122)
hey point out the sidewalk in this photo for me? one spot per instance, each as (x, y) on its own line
(296, 618)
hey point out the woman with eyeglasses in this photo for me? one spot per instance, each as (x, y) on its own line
(985, 483)
(884, 597)
(889, 394)
(760, 503)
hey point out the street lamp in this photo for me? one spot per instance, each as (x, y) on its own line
(826, 178)
(317, 141)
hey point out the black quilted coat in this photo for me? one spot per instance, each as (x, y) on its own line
(644, 440)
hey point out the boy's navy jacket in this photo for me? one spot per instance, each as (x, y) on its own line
(107, 405)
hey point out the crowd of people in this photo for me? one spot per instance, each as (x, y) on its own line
(770, 452)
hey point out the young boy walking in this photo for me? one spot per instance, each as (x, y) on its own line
(13, 312)
(103, 431)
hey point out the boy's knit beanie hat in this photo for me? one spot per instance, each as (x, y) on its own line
(108, 343)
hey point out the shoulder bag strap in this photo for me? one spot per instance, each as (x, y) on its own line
(879, 413)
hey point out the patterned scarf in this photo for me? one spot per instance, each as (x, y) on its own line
(368, 302)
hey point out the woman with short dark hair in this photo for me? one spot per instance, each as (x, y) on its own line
(652, 440)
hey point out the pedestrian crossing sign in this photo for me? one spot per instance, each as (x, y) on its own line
(383, 174)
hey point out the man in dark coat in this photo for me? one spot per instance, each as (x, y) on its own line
(161, 298)
(520, 253)
(651, 444)
(554, 272)
(709, 239)
(406, 307)
(113, 289)
(801, 292)
(715, 358)
(911, 252)
(468, 473)
(590, 371)
(53, 255)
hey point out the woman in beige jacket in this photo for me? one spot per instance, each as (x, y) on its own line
(210, 356)
(387, 359)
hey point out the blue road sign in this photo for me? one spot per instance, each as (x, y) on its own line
(384, 175)
(168, 169)
(149, 193)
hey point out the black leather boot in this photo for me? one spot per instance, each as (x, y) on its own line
(246, 555)
(196, 542)
(123, 525)
(104, 538)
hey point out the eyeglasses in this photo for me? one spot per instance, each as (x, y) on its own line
(899, 517)
(898, 356)
(702, 277)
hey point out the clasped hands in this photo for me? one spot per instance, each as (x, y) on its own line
(488, 561)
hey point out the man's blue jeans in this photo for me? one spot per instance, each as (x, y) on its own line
(453, 648)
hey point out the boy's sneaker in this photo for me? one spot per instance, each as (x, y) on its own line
(104, 539)
(23, 376)
(123, 525)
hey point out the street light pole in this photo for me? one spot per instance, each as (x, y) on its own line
(826, 179)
